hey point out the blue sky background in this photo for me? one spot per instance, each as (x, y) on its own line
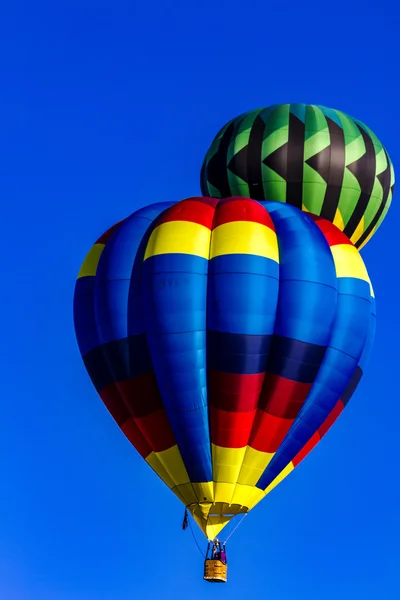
(106, 107)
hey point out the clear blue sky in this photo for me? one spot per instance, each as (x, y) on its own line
(106, 107)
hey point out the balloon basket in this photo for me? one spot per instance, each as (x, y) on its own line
(215, 571)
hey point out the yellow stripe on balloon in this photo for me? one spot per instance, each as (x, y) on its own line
(358, 232)
(211, 526)
(204, 491)
(195, 492)
(247, 495)
(348, 262)
(172, 462)
(154, 462)
(169, 466)
(254, 464)
(338, 220)
(184, 492)
(91, 262)
(227, 463)
(237, 493)
(223, 491)
(215, 524)
(179, 237)
(244, 237)
(233, 467)
(284, 473)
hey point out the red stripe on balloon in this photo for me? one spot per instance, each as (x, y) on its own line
(312, 442)
(241, 209)
(135, 437)
(194, 210)
(139, 413)
(156, 430)
(268, 432)
(283, 397)
(319, 434)
(332, 234)
(111, 397)
(141, 394)
(234, 392)
(331, 418)
(230, 429)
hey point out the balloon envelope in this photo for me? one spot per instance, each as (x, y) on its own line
(225, 337)
(315, 158)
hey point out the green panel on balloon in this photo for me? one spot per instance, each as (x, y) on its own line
(314, 189)
(278, 117)
(372, 208)
(315, 122)
(313, 157)
(317, 143)
(349, 196)
(275, 140)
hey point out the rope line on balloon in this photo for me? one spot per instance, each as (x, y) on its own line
(187, 521)
(233, 531)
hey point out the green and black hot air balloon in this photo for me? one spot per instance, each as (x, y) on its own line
(315, 158)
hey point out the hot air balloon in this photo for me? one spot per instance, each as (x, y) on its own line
(317, 159)
(225, 337)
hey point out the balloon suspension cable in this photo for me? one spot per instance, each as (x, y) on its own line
(187, 520)
(233, 531)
